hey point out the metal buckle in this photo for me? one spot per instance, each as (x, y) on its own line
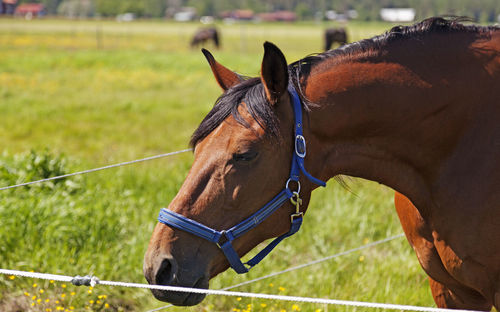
(222, 238)
(300, 146)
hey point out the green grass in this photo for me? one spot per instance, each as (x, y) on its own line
(138, 91)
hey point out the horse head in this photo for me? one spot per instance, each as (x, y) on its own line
(242, 155)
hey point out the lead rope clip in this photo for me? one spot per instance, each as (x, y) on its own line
(297, 201)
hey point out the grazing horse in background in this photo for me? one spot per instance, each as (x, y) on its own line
(333, 35)
(417, 109)
(206, 34)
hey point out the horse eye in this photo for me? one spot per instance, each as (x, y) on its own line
(244, 156)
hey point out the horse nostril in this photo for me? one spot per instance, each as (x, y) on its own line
(166, 273)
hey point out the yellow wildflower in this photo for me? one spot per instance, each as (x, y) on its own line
(47, 300)
(238, 299)
(33, 298)
(361, 258)
(98, 302)
(271, 284)
(35, 285)
(48, 310)
(295, 307)
(106, 305)
(51, 281)
(26, 294)
(281, 288)
(11, 277)
(91, 301)
(41, 291)
(263, 305)
(63, 285)
(63, 295)
(72, 293)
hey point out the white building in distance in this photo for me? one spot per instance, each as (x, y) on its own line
(401, 15)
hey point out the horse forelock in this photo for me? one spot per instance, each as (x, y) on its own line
(249, 91)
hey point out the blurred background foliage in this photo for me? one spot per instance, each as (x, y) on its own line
(479, 10)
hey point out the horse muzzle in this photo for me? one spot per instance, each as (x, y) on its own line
(165, 271)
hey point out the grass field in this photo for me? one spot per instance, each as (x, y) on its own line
(81, 94)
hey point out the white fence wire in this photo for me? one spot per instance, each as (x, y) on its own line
(95, 281)
(96, 169)
(298, 267)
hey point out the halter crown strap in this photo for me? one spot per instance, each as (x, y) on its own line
(224, 238)
(300, 142)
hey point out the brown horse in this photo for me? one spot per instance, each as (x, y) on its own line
(333, 35)
(417, 109)
(205, 34)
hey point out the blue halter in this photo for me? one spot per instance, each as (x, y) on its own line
(224, 238)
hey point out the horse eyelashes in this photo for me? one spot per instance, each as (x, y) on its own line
(245, 156)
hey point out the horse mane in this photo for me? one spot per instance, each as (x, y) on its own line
(251, 90)
(301, 68)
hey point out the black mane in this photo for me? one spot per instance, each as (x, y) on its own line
(301, 68)
(251, 90)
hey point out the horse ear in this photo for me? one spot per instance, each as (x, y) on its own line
(274, 72)
(225, 77)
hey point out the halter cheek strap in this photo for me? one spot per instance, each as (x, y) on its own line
(224, 238)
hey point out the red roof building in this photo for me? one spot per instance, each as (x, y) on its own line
(278, 16)
(30, 9)
(238, 14)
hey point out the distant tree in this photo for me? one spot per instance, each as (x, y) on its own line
(203, 7)
(51, 6)
(155, 8)
(303, 11)
(107, 7)
(76, 8)
(133, 6)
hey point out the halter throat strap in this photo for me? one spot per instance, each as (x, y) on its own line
(224, 238)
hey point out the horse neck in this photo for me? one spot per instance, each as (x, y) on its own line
(388, 119)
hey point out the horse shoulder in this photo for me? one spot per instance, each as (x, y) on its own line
(447, 291)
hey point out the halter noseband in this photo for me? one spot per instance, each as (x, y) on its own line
(224, 238)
